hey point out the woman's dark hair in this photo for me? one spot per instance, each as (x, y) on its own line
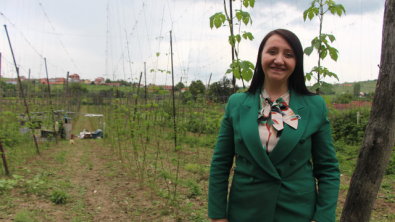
(296, 80)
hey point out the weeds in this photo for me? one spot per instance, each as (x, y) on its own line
(59, 196)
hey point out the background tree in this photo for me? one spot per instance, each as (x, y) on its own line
(179, 86)
(221, 88)
(321, 43)
(93, 83)
(344, 98)
(327, 89)
(77, 88)
(197, 88)
(108, 80)
(124, 83)
(379, 139)
(357, 89)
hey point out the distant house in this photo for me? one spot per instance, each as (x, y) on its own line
(12, 81)
(137, 85)
(183, 90)
(54, 81)
(169, 88)
(74, 78)
(100, 81)
(113, 84)
(347, 85)
(86, 81)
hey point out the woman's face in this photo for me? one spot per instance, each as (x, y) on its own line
(278, 60)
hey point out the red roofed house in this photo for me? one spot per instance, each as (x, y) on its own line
(100, 81)
(74, 78)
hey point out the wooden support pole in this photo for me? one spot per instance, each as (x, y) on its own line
(50, 103)
(4, 159)
(20, 85)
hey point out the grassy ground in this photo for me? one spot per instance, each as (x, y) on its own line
(96, 185)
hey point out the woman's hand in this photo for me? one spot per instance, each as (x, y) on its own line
(219, 220)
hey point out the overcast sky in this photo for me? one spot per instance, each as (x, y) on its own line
(113, 38)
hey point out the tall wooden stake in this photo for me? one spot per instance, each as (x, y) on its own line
(4, 159)
(174, 118)
(50, 103)
(20, 85)
(145, 83)
(172, 82)
(28, 87)
(67, 92)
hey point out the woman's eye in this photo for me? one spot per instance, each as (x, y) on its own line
(289, 55)
(272, 52)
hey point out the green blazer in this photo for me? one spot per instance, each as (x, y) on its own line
(281, 186)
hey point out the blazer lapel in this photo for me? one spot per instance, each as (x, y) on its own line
(290, 137)
(248, 112)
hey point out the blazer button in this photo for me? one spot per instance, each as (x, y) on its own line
(251, 179)
(302, 140)
(293, 162)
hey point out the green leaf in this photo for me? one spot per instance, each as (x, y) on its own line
(315, 87)
(252, 3)
(316, 11)
(157, 54)
(331, 38)
(324, 52)
(222, 17)
(152, 70)
(236, 73)
(239, 16)
(248, 35)
(247, 74)
(342, 8)
(238, 38)
(217, 23)
(331, 74)
(245, 3)
(308, 76)
(305, 14)
(212, 21)
(333, 53)
(308, 50)
(246, 20)
(339, 11)
(232, 40)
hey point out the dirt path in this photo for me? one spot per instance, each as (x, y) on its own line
(97, 189)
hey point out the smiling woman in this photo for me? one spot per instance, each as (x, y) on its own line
(274, 130)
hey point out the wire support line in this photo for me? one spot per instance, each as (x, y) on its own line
(57, 34)
(28, 42)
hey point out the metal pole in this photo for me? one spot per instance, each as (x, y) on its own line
(20, 85)
(50, 103)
